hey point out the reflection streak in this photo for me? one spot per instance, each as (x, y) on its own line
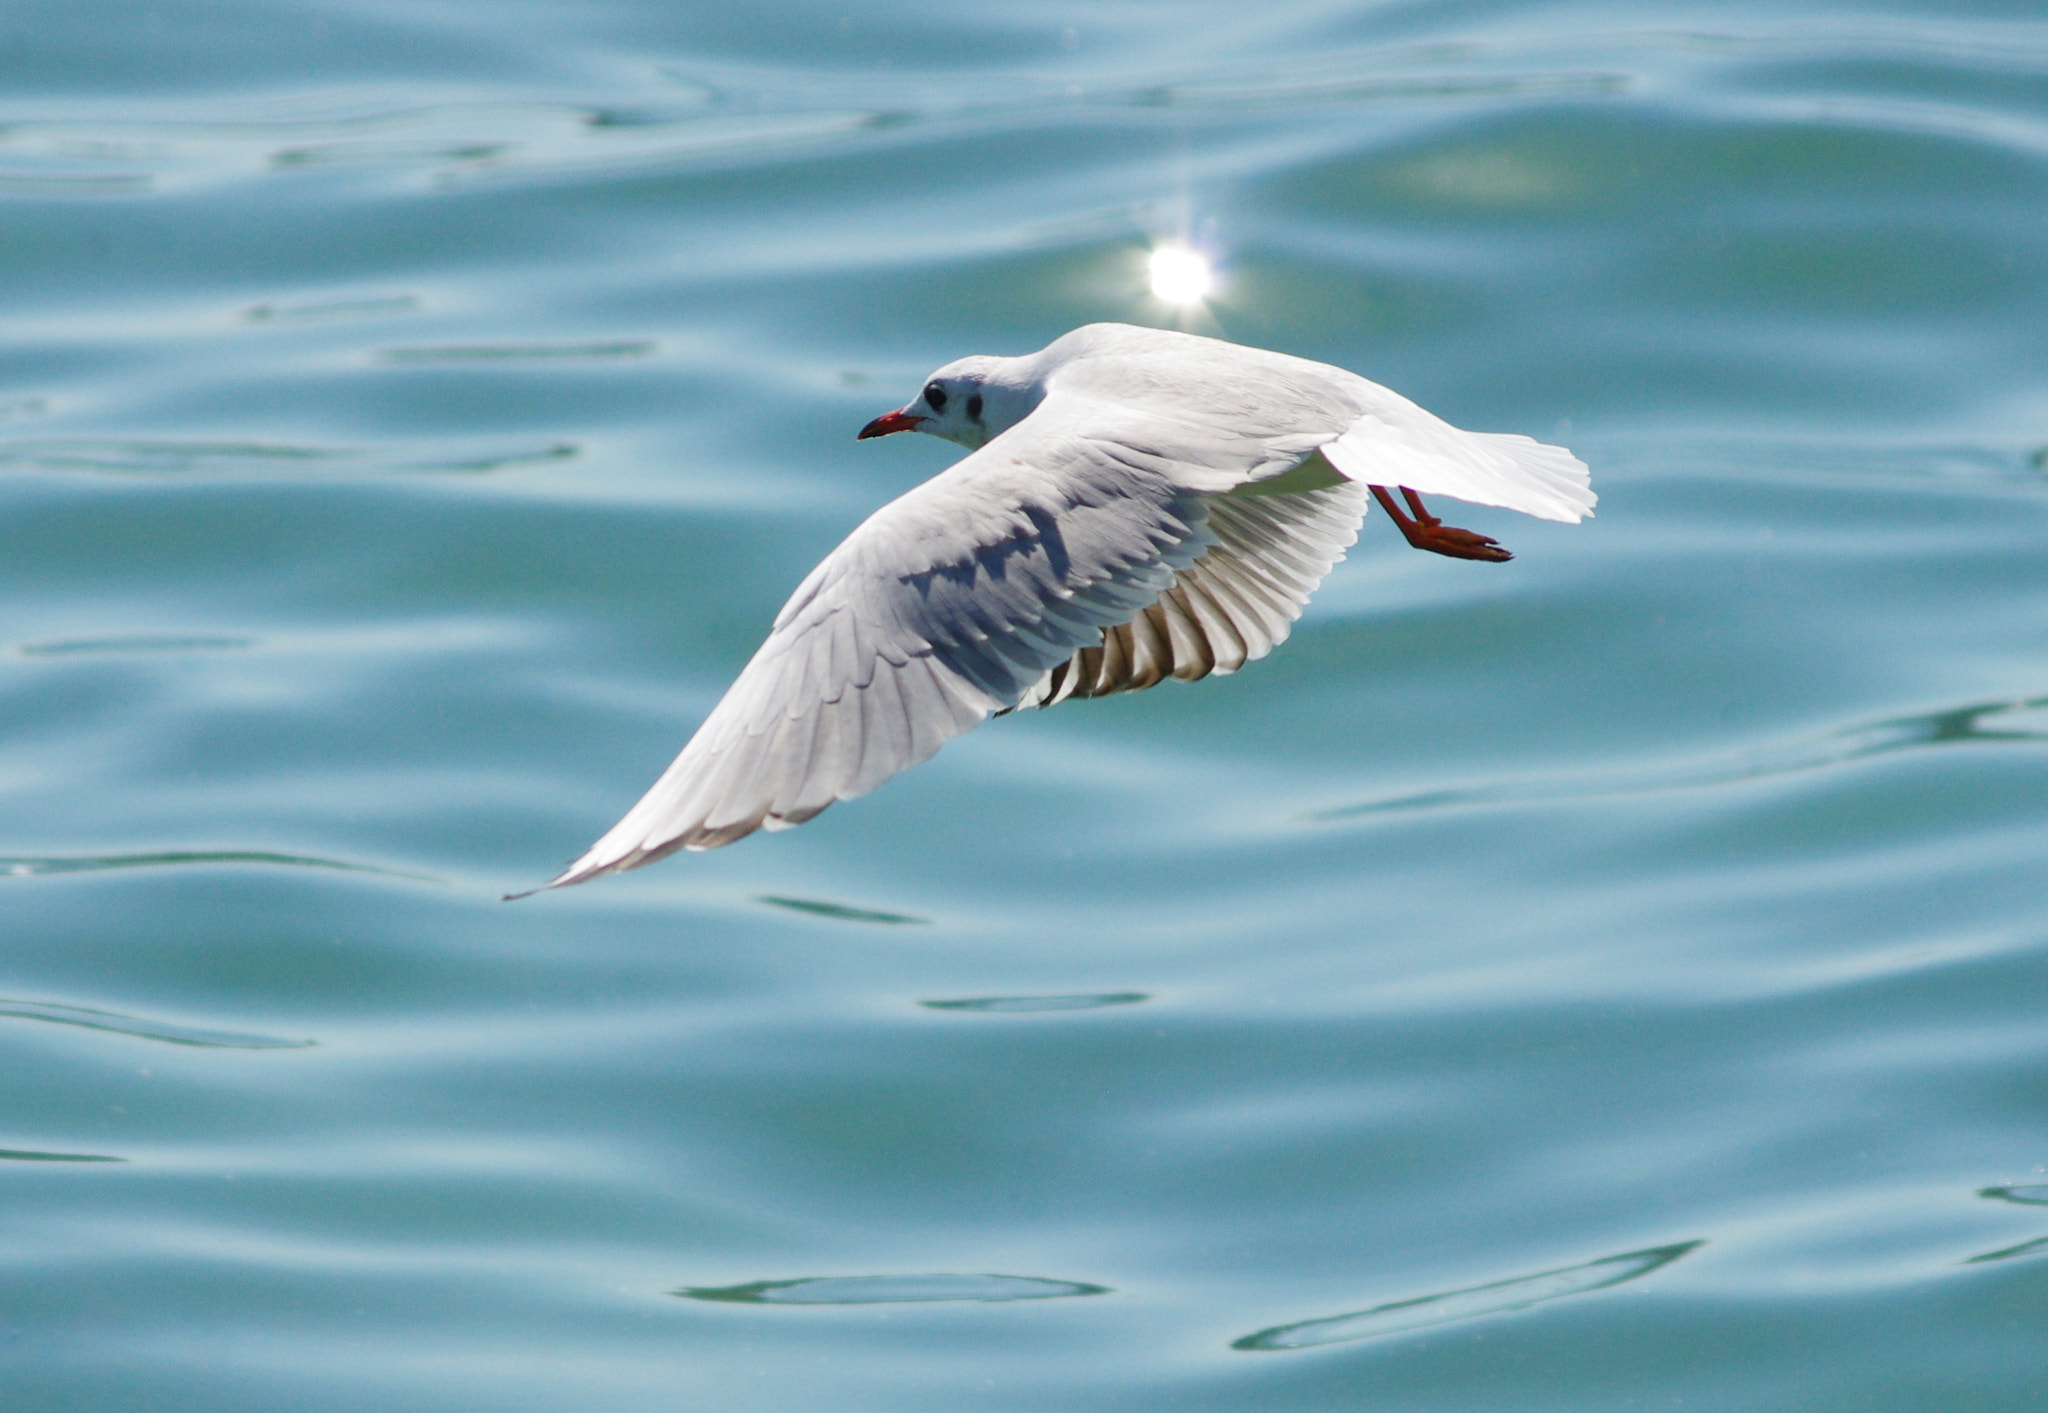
(1494, 1298)
(1948, 727)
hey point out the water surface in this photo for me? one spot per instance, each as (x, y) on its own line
(1606, 981)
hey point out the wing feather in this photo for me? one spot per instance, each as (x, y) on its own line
(1219, 633)
(1192, 658)
(1151, 654)
(795, 750)
(1235, 604)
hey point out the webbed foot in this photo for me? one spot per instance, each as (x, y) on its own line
(1426, 532)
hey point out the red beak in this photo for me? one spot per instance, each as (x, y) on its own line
(898, 421)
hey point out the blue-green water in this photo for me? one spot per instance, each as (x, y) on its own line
(1614, 980)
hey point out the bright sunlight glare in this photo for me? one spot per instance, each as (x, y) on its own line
(1179, 275)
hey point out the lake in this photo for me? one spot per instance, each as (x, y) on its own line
(1612, 980)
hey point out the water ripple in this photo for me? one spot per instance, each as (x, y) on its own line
(150, 457)
(2012, 721)
(86, 1017)
(892, 1290)
(34, 183)
(2026, 1248)
(695, 120)
(1310, 90)
(31, 865)
(450, 143)
(717, 113)
(1470, 1303)
(132, 643)
(1021, 1004)
(493, 461)
(519, 352)
(2031, 1194)
(374, 307)
(29, 1155)
(817, 908)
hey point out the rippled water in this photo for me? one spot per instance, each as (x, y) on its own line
(1611, 980)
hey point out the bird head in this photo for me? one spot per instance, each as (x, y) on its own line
(970, 401)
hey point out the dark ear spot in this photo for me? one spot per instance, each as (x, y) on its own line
(974, 408)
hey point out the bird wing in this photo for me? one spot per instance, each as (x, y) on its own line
(1275, 540)
(949, 604)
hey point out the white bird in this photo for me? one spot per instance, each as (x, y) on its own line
(1136, 505)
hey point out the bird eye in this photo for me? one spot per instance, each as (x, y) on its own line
(935, 397)
(974, 408)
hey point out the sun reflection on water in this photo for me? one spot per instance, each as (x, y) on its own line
(1180, 275)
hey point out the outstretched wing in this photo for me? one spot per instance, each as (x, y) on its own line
(944, 607)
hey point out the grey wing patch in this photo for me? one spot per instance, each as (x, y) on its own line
(1273, 545)
(942, 608)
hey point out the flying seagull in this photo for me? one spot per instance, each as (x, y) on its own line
(1136, 504)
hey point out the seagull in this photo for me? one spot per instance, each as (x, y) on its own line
(1136, 504)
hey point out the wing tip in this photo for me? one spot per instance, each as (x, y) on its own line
(695, 840)
(568, 877)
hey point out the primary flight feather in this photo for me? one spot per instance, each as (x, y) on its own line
(1137, 504)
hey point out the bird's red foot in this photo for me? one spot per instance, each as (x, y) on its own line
(1458, 544)
(1426, 532)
